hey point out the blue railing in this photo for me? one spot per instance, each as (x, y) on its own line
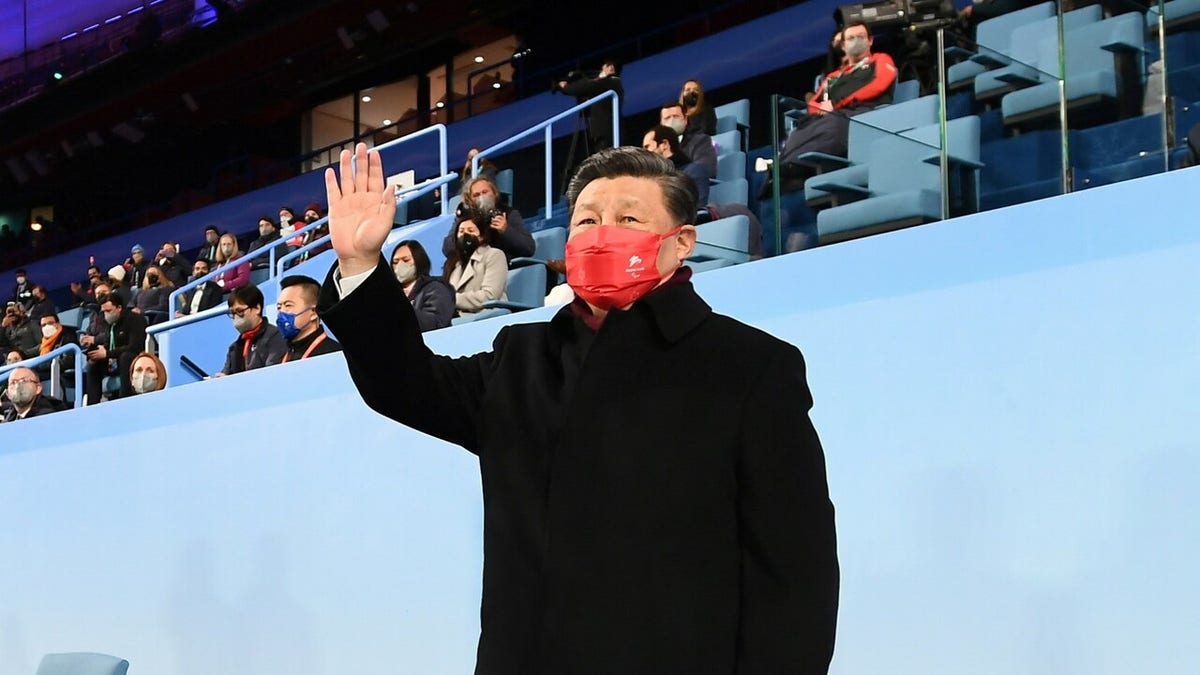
(547, 126)
(413, 191)
(55, 377)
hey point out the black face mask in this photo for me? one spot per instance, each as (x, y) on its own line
(153, 281)
(467, 243)
(691, 99)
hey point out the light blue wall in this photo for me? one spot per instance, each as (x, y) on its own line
(1007, 402)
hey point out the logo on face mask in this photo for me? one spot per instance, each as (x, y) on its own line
(606, 265)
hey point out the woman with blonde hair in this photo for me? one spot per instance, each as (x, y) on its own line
(700, 115)
(147, 373)
(151, 303)
(228, 251)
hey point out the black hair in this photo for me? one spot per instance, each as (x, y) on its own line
(248, 295)
(420, 257)
(679, 192)
(310, 286)
(115, 300)
(614, 63)
(665, 133)
(212, 228)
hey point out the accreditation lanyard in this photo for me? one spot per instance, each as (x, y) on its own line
(311, 347)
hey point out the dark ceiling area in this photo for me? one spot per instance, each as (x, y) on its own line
(159, 121)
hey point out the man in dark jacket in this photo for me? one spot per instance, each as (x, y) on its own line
(113, 350)
(205, 296)
(20, 334)
(654, 493)
(25, 397)
(42, 304)
(23, 291)
(696, 144)
(600, 126)
(258, 344)
(268, 234)
(664, 141)
(298, 320)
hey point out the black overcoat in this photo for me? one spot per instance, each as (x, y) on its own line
(654, 493)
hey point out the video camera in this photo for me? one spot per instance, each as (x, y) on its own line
(883, 14)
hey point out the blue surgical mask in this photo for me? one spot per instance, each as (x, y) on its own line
(286, 323)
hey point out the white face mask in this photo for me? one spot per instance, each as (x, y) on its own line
(855, 46)
(227, 249)
(49, 330)
(486, 202)
(676, 124)
(21, 393)
(144, 382)
(405, 271)
(265, 231)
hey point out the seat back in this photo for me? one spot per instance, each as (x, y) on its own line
(731, 166)
(739, 110)
(1089, 46)
(527, 285)
(550, 243)
(727, 142)
(1027, 40)
(736, 191)
(909, 161)
(82, 663)
(504, 183)
(906, 91)
(995, 36)
(866, 128)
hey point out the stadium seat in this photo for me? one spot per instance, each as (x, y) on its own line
(504, 183)
(526, 289)
(994, 42)
(82, 663)
(1092, 54)
(731, 166)
(864, 130)
(904, 182)
(907, 90)
(736, 191)
(727, 142)
(735, 116)
(548, 244)
(1026, 39)
(721, 243)
(1177, 14)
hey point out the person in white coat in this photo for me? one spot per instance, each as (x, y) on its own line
(477, 272)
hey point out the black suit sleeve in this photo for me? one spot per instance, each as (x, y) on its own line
(395, 373)
(585, 88)
(789, 571)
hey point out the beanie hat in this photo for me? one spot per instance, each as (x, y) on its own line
(117, 272)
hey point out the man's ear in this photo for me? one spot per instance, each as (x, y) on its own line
(685, 242)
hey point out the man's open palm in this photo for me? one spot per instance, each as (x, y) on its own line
(361, 209)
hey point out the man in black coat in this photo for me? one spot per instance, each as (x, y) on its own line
(113, 350)
(600, 126)
(25, 397)
(205, 296)
(654, 493)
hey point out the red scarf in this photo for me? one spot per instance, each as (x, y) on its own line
(248, 338)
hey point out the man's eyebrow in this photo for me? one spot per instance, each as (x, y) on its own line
(622, 202)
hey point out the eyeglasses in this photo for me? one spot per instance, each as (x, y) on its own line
(238, 312)
(11, 382)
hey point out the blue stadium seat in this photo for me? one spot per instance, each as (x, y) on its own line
(1177, 15)
(526, 289)
(727, 142)
(1091, 52)
(904, 182)
(504, 183)
(993, 40)
(736, 191)
(548, 244)
(721, 243)
(907, 90)
(82, 663)
(731, 166)
(1026, 40)
(735, 116)
(864, 130)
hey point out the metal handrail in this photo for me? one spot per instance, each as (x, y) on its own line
(547, 125)
(268, 250)
(440, 130)
(414, 191)
(53, 358)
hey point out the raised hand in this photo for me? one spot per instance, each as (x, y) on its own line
(361, 210)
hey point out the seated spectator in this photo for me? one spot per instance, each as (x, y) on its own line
(116, 281)
(258, 344)
(700, 115)
(42, 304)
(172, 263)
(55, 335)
(695, 144)
(483, 205)
(151, 303)
(20, 333)
(135, 266)
(864, 83)
(23, 291)
(26, 399)
(268, 233)
(432, 298)
(486, 168)
(147, 374)
(211, 246)
(287, 222)
(83, 296)
(112, 352)
(13, 357)
(477, 272)
(205, 296)
(298, 321)
(664, 141)
(239, 275)
(312, 213)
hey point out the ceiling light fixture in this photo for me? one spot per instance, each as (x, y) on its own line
(478, 59)
(366, 99)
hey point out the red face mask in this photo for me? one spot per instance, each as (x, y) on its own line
(610, 266)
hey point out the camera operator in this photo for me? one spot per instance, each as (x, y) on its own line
(483, 204)
(600, 131)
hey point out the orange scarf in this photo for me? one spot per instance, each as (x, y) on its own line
(48, 342)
